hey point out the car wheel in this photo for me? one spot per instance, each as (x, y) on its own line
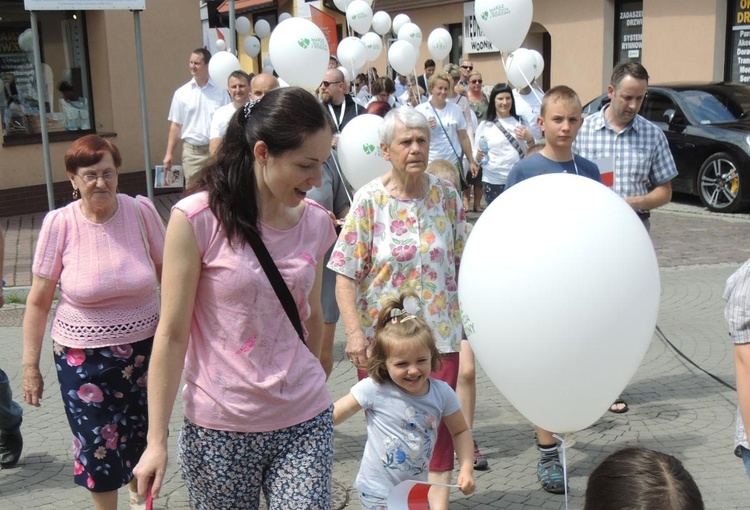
(719, 184)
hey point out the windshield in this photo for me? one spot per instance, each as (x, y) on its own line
(717, 105)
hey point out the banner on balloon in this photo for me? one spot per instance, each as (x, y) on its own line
(475, 41)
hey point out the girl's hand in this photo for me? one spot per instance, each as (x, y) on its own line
(150, 471)
(466, 482)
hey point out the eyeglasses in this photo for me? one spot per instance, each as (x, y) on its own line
(358, 84)
(92, 178)
(476, 81)
(329, 83)
(468, 68)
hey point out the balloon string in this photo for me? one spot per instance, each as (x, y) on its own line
(565, 465)
(416, 87)
(343, 180)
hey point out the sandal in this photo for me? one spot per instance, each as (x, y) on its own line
(551, 476)
(619, 410)
(136, 501)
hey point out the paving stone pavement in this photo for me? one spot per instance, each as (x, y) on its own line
(674, 407)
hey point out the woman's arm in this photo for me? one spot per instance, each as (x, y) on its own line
(180, 283)
(742, 371)
(347, 406)
(463, 443)
(38, 305)
(356, 343)
(314, 323)
(463, 137)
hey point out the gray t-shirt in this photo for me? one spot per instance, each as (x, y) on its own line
(401, 432)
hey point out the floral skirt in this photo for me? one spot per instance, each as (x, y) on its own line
(104, 394)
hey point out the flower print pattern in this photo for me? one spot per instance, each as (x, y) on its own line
(105, 401)
(389, 245)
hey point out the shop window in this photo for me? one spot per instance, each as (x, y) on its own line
(738, 42)
(67, 96)
(628, 31)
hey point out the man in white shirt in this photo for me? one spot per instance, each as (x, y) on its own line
(238, 87)
(529, 106)
(192, 107)
(402, 85)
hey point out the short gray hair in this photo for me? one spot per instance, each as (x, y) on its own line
(405, 115)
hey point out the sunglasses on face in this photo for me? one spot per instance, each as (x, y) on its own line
(468, 68)
(328, 83)
(476, 81)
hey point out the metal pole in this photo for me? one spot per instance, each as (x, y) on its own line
(232, 34)
(40, 89)
(144, 112)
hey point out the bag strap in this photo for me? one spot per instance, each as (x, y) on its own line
(512, 139)
(459, 159)
(148, 248)
(277, 282)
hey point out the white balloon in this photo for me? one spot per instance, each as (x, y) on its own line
(539, 63)
(251, 45)
(242, 25)
(262, 29)
(359, 150)
(520, 68)
(504, 22)
(411, 33)
(439, 43)
(284, 16)
(381, 22)
(342, 4)
(221, 45)
(26, 41)
(268, 69)
(559, 277)
(402, 57)
(352, 52)
(374, 45)
(282, 83)
(346, 72)
(399, 21)
(359, 16)
(221, 66)
(299, 51)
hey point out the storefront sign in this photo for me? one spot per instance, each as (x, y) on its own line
(83, 5)
(629, 23)
(738, 56)
(474, 39)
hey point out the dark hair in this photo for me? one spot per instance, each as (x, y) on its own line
(283, 119)
(240, 74)
(636, 478)
(89, 150)
(492, 111)
(378, 108)
(382, 84)
(559, 93)
(203, 52)
(629, 68)
(404, 327)
(429, 63)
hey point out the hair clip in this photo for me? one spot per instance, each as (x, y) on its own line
(398, 312)
(248, 108)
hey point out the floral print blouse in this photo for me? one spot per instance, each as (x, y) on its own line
(389, 246)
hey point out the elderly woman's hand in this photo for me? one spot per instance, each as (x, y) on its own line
(33, 386)
(356, 348)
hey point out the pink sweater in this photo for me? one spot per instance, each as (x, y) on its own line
(246, 370)
(107, 285)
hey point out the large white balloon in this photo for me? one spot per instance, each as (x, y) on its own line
(374, 45)
(359, 150)
(399, 21)
(242, 25)
(504, 22)
(299, 51)
(221, 66)
(262, 29)
(411, 33)
(359, 16)
(520, 68)
(558, 278)
(439, 43)
(539, 63)
(251, 45)
(352, 52)
(403, 57)
(381, 22)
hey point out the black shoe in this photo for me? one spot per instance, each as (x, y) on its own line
(11, 444)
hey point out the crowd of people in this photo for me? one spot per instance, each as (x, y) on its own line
(270, 246)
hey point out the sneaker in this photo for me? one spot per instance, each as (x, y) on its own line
(551, 476)
(11, 444)
(480, 459)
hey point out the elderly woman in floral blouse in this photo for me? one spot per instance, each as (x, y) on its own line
(405, 231)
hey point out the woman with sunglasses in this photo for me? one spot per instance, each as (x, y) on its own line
(478, 101)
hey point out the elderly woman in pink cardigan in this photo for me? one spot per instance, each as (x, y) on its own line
(105, 251)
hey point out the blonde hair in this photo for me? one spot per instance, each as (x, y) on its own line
(445, 170)
(395, 325)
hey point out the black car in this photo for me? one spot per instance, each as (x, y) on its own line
(708, 129)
